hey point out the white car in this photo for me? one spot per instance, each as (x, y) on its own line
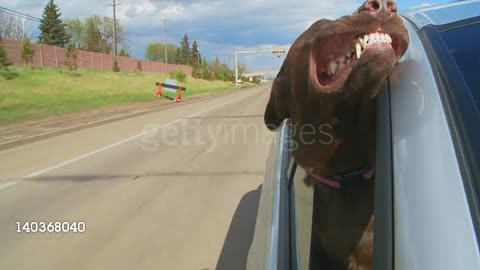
(427, 204)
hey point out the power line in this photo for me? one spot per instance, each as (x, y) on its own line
(19, 14)
(127, 41)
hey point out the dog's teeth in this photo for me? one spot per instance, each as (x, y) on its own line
(333, 67)
(358, 50)
(388, 38)
(362, 42)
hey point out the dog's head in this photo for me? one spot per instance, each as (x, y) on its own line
(335, 60)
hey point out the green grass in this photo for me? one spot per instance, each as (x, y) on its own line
(42, 92)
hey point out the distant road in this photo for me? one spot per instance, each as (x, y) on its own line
(175, 189)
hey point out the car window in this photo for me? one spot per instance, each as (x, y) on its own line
(462, 43)
(301, 211)
(452, 52)
(459, 60)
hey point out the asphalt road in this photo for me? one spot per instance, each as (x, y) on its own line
(175, 189)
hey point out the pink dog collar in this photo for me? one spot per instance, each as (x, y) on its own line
(337, 181)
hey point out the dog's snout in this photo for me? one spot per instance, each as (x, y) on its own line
(380, 9)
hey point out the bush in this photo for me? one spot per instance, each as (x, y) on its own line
(8, 74)
(207, 74)
(196, 73)
(116, 67)
(71, 57)
(4, 62)
(71, 73)
(27, 51)
(178, 75)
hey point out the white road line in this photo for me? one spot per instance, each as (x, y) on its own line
(8, 184)
(59, 165)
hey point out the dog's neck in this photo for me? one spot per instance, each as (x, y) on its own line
(352, 127)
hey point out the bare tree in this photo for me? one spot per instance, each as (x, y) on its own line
(12, 27)
(95, 33)
(242, 69)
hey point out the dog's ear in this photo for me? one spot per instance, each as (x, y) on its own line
(278, 107)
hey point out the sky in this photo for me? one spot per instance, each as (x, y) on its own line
(221, 27)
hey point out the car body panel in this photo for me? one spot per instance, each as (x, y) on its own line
(433, 225)
(266, 250)
(443, 14)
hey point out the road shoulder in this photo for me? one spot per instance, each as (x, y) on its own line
(17, 134)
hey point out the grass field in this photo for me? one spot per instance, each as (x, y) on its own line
(42, 92)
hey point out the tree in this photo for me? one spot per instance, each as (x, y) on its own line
(220, 71)
(13, 27)
(206, 73)
(156, 52)
(4, 62)
(177, 56)
(197, 72)
(71, 57)
(94, 41)
(52, 29)
(116, 67)
(124, 52)
(184, 53)
(242, 68)
(76, 30)
(195, 57)
(139, 66)
(27, 51)
(105, 24)
(95, 33)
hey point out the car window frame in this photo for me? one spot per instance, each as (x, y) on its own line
(449, 77)
(383, 242)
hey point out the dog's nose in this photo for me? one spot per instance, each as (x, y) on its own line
(380, 9)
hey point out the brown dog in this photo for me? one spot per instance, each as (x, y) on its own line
(327, 86)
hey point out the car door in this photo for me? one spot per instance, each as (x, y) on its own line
(424, 210)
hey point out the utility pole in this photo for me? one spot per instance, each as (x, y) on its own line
(114, 5)
(196, 53)
(165, 38)
(236, 68)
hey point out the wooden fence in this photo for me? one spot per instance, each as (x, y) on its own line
(53, 56)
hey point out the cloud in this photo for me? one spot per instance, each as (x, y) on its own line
(224, 26)
(221, 27)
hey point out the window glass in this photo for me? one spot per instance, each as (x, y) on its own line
(463, 44)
